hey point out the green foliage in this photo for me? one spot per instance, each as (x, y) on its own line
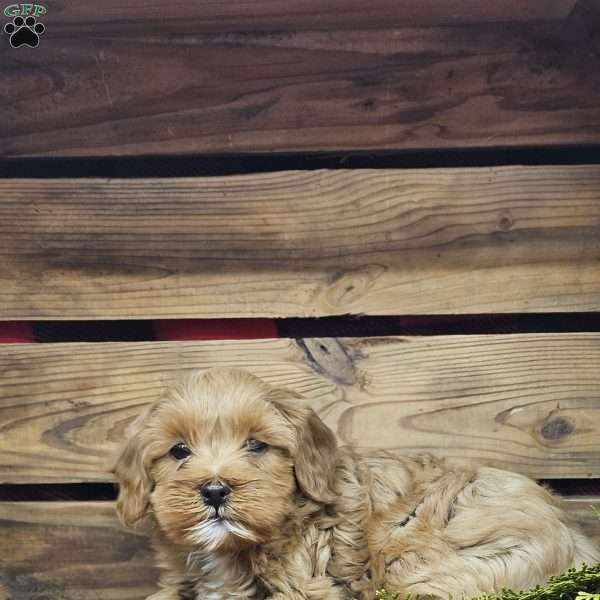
(575, 584)
(587, 596)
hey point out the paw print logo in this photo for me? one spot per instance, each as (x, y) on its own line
(24, 32)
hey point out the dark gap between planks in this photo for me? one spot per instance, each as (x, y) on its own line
(72, 492)
(339, 326)
(188, 165)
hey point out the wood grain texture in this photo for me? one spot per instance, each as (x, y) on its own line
(270, 15)
(483, 240)
(77, 551)
(71, 551)
(585, 510)
(101, 85)
(530, 403)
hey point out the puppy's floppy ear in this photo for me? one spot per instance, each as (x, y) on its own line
(131, 469)
(316, 451)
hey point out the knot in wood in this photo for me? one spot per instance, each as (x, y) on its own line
(556, 429)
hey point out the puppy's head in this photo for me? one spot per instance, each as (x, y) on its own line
(220, 460)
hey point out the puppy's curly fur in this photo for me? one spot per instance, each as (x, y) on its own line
(306, 520)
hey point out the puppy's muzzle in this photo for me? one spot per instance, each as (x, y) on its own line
(215, 494)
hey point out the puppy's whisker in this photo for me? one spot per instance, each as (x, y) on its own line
(243, 484)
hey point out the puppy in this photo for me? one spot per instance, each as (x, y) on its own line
(246, 495)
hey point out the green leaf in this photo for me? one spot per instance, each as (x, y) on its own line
(575, 584)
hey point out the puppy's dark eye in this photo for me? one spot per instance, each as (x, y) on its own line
(256, 446)
(180, 451)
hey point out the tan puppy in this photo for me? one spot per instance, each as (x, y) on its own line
(247, 496)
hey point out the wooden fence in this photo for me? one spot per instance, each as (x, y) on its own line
(221, 78)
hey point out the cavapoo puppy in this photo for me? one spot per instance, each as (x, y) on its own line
(246, 495)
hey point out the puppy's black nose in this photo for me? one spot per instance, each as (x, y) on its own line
(215, 494)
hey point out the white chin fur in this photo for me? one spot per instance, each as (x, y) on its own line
(210, 534)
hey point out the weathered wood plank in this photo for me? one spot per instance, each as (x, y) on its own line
(77, 551)
(510, 239)
(275, 15)
(585, 510)
(530, 403)
(105, 86)
(71, 551)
